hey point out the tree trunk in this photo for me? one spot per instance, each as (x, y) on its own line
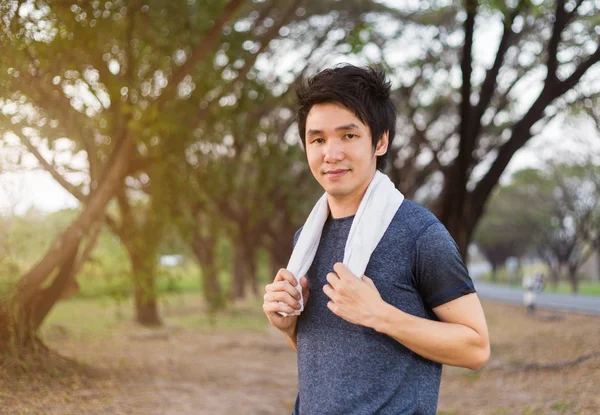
(67, 243)
(143, 266)
(237, 290)
(244, 278)
(555, 276)
(22, 316)
(559, 272)
(494, 276)
(252, 270)
(72, 286)
(518, 276)
(141, 250)
(274, 266)
(205, 252)
(49, 296)
(18, 325)
(460, 222)
(20, 322)
(573, 280)
(279, 242)
(596, 262)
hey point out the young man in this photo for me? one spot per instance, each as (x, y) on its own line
(376, 344)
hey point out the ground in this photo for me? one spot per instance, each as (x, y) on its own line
(189, 367)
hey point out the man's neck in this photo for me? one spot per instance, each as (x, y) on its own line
(342, 208)
(339, 210)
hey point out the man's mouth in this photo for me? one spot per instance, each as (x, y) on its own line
(334, 174)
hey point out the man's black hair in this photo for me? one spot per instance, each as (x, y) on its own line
(364, 91)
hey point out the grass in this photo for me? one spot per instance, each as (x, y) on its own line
(472, 376)
(586, 287)
(561, 406)
(88, 318)
(236, 319)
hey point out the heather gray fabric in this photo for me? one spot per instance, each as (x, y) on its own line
(349, 369)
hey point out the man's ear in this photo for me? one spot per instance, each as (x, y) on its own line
(382, 144)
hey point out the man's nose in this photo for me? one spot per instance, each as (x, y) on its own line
(334, 151)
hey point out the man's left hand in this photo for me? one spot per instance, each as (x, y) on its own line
(356, 300)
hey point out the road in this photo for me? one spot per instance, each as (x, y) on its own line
(586, 304)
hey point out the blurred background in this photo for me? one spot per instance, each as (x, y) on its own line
(152, 179)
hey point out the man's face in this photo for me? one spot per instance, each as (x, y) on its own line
(339, 150)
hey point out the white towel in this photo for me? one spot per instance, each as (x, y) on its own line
(375, 213)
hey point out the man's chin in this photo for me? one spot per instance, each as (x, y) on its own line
(335, 191)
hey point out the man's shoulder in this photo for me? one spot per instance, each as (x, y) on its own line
(414, 217)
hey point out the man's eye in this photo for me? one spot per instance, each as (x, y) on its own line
(318, 140)
(350, 136)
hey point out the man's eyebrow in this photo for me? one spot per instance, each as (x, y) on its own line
(344, 127)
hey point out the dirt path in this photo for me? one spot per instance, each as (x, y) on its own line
(176, 371)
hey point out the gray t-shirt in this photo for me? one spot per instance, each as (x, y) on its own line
(349, 369)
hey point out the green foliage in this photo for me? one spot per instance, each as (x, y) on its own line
(24, 237)
(552, 213)
(562, 407)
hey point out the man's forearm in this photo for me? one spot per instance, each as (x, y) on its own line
(447, 343)
(291, 338)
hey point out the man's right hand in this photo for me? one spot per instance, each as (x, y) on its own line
(283, 296)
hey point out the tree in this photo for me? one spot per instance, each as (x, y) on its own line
(459, 135)
(505, 230)
(554, 211)
(577, 215)
(103, 96)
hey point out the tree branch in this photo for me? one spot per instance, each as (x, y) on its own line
(504, 100)
(574, 11)
(581, 69)
(264, 40)
(200, 52)
(560, 21)
(51, 168)
(489, 84)
(521, 131)
(249, 63)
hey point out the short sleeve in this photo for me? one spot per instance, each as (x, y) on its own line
(438, 269)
